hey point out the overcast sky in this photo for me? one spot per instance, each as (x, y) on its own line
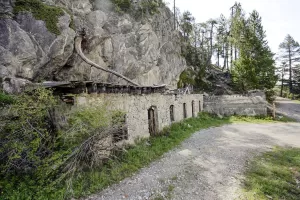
(279, 17)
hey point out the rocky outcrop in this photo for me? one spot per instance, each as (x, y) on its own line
(6, 7)
(146, 50)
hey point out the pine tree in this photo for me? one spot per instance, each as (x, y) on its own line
(255, 68)
(290, 52)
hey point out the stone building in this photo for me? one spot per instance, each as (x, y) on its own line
(147, 115)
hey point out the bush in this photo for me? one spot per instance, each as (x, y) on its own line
(5, 99)
(26, 135)
(38, 157)
(270, 95)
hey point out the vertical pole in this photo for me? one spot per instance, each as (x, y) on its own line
(274, 111)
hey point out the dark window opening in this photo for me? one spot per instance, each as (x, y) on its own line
(120, 129)
(153, 121)
(193, 108)
(200, 110)
(184, 111)
(172, 113)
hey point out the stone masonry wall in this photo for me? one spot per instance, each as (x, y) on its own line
(136, 107)
(228, 105)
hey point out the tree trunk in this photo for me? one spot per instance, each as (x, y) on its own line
(282, 76)
(218, 55)
(235, 53)
(227, 56)
(290, 70)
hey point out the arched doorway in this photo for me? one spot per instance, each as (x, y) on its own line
(153, 121)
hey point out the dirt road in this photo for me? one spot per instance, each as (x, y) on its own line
(208, 166)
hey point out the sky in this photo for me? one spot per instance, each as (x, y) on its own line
(279, 17)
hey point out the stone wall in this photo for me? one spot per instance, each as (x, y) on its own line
(228, 105)
(137, 106)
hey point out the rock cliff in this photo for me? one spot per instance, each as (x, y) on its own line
(145, 49)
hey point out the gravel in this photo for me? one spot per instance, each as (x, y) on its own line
(209, 165)
(288, 108)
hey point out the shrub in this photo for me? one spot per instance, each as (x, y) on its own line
(5, 99)
(26, 136)
(270, 95)
(37, 157)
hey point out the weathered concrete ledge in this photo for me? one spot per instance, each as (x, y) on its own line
(228, 105)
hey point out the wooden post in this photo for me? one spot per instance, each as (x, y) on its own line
(274, 110)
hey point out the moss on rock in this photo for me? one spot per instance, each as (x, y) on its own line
(40, 11)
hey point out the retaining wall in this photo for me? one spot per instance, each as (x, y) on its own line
(136, 108)
(227, 105)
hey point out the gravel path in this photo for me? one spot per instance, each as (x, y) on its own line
(288, 107)
(209, 165)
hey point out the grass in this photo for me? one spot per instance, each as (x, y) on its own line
(274, 175)
(297, 101)
(5, 99)
(125, 164)
(260, 119)
(40, 11)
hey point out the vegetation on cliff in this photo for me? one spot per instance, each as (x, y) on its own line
(41, 11)
(145, 7)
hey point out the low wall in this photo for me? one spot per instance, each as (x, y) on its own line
(227, 105)
(137, 109)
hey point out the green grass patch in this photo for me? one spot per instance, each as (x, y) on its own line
(5, 99)
(274, 175)
(260, 119)
(297, 101)
(123, 165)
(40, 11)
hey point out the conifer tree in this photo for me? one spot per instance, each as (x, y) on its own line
(290, 53)
(255, 68)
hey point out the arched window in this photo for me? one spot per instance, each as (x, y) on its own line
(153, 121)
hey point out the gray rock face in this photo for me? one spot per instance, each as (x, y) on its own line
(6, 7)
(29, 51)
(145, 50)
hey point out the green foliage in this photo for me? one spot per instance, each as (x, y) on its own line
(270, 95)
(25, 139)
(186, 78)
(255, 68)
(5, 99)
(40, 160)
(40, 11)
(274, 175)
(145, 7)
(122, 5)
